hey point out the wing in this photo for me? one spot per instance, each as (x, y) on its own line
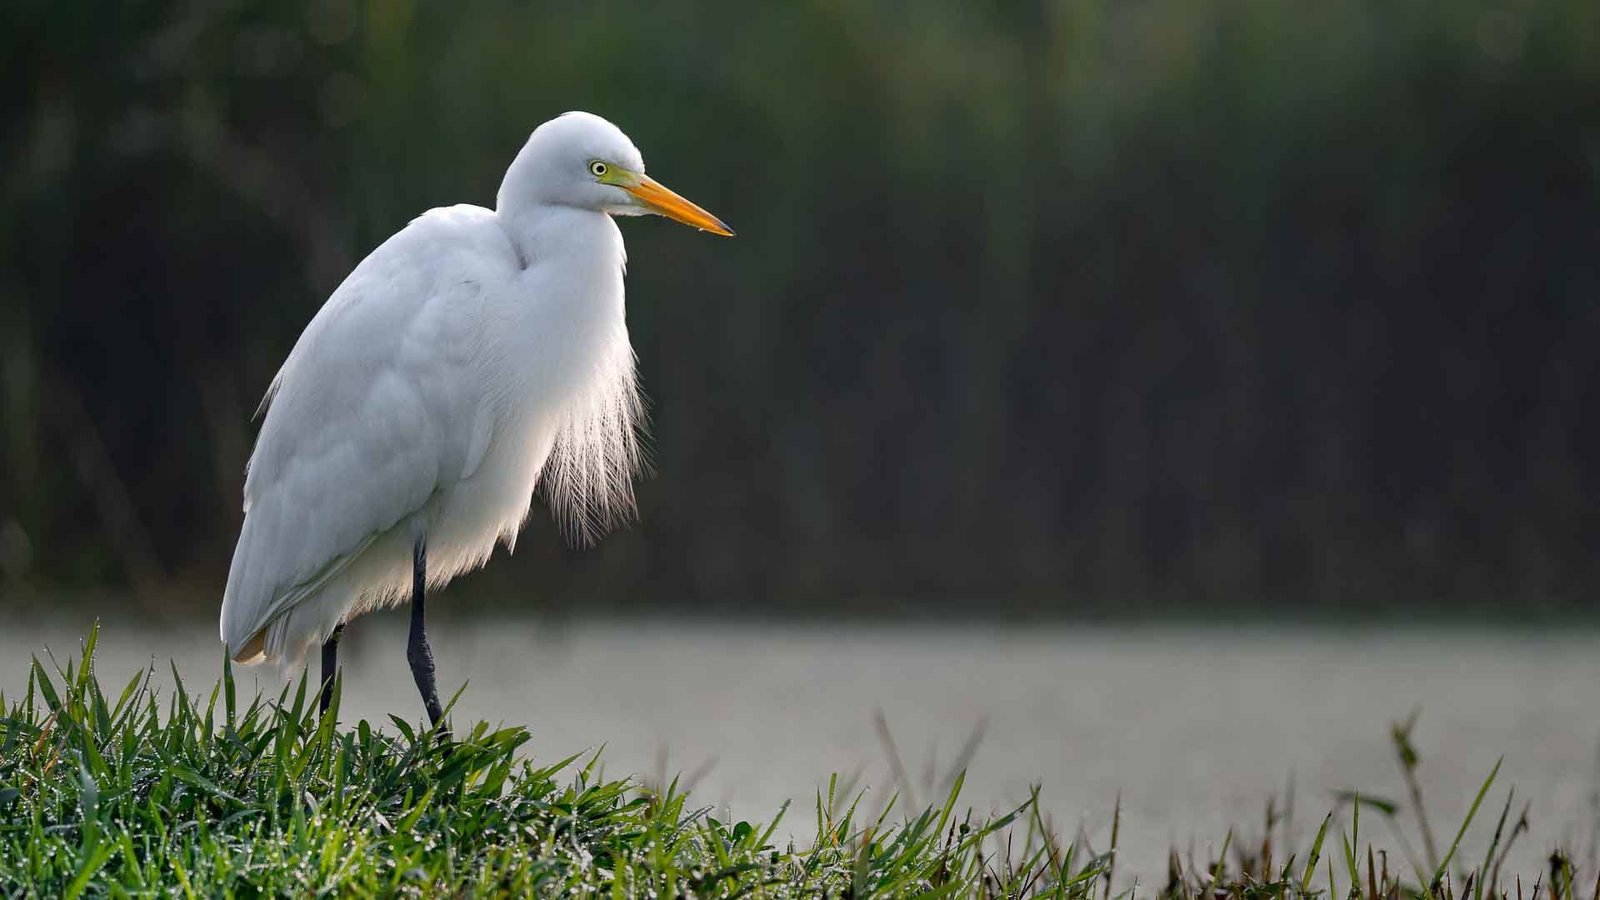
(374, 410)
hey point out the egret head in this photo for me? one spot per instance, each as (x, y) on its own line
(582, 161)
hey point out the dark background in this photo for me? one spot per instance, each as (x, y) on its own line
(1071, 308)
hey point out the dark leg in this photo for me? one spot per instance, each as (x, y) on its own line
(330, 662)
(417, 651)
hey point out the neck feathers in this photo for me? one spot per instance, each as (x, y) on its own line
(579, 258)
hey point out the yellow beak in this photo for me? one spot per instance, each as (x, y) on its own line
(657, 198)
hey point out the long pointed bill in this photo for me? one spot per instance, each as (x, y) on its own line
(658, 199)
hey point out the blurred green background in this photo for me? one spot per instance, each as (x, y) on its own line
(1037, 308)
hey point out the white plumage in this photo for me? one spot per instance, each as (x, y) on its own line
(472, 358)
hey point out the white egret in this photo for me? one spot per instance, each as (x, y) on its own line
(474, 357)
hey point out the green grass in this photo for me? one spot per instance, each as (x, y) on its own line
(135, 794)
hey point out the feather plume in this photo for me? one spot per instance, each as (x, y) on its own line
(599, 449)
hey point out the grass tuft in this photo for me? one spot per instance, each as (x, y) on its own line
(132, 793)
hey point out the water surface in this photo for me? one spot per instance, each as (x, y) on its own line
(1195, 730)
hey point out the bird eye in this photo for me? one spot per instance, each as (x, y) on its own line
(597, 169)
